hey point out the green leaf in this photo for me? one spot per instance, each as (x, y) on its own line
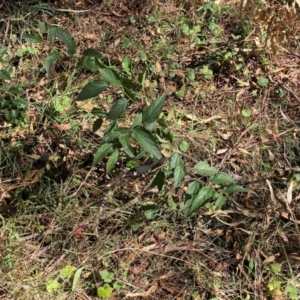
(235, 188)
(92, 89)
(150, 126)
(247, 113)
(104, 291)
(92, 53)
(98, 112)
(221, 200)
(292, 291)
(62, 103)
(67, 271)
(52, 286)
(126, 64)
(113, 135)
(137, 120)
(262, 81)
(90, 64)
(102, 151)
(275, 268)
(198, 201)
(184, 146)
(204, 168)
(32, 38)
(118, 108)
(50, 59)
(179, 174)
(221, 178)
(154, 110)
(19, 103)
(158, 180)
(111, 76)
(142, 77)
(3, 51)
(129, 93)
(76, 278)
(176, 160)
(97, 124)
(4, 75)
(117, 285)
(107, 276)
(42, 27)
(51, 35)
(125, 142)
(193, 188)
(112, 160)
(146, 141)
(65, 36)
(274, 286)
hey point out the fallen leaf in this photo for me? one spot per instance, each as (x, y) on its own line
(144, 294)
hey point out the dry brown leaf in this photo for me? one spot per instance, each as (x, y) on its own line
(158, 67)
(170, 89)
(289, 195)
(62, 127)
(149, 292)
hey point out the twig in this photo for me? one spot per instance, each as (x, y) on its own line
(292, 92)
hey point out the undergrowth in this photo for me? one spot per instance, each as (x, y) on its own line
(155, 158)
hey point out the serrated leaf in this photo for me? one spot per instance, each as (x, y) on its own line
(127, 83)
(176, 160)
(205, 194)
(221, 178)
(50, 59)
(65, 36)
(91, 53)
(292, 292)
(32, 38)
(92, 89)
(118, 108)
(146, 141)
(52, 286)
(104, 291)
(76, 278)
(107, 276)
(102, 151)
(221, 200)
(111, 76)
(90, 64)
(125, 142)
(235, 188)
(153, 111)
(97, 124)
(112, 160)
(204, 168)
(67, 271)
(179, 174)
(193, 188)
(129, 93)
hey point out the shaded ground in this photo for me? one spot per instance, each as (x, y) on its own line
(237, 110)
